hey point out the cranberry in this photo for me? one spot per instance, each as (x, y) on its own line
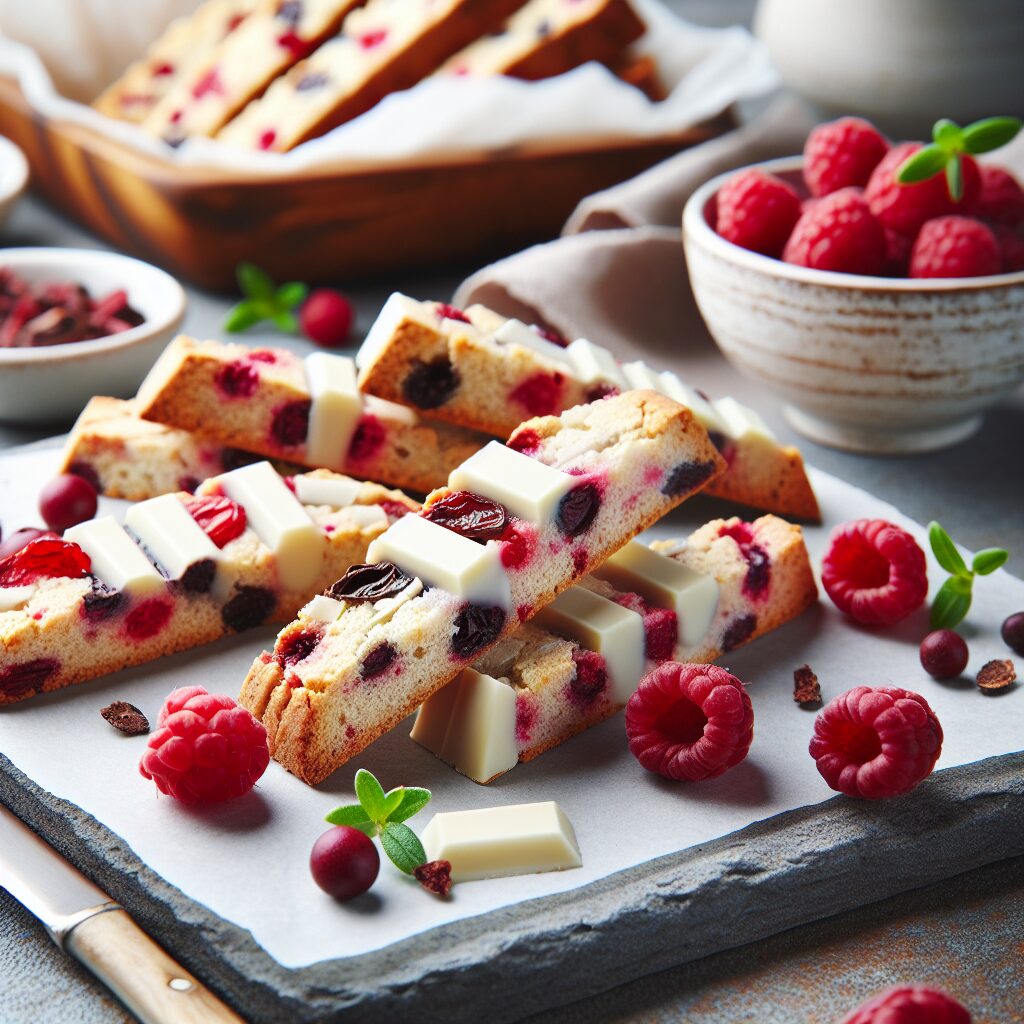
(576, 511)
(367, 439)
(20, 538)
(290, 423)
(452, 313)
(526, 441)
(944, 654)
(476, 627)
(148, 618)
(1012, 632)
(209, 84)
(298, 646)
(435, 876)
(551, 335)
(45, 556)
(470, 515)
(661, 626)
(686, 477)
(66, 501)
(540, 394)
(188, 483)
(199, 576)
(518, 543)
(87, 471)
(369, 583)
(759, 565)
(21, 680)
(368, 40)
(326, 316)
(221, 518)
(738, 632)
(430, 385)
(526, 716)
(591, 676)
(238, 379)
(267, 139)
(249, 608)
(394, 509)
(378, 661)
(100, 602)
(344, 862)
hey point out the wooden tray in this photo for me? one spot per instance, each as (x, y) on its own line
(324, 225)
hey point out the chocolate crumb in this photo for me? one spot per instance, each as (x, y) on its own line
(435, 876)
(996, 675)
(126, 718)
(806, 691)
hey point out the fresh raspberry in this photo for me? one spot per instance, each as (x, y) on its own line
(874, 571)
(689, 722)
(910, 1004)
(876, 741)
(842, 153)
(897, 253)
(205, 748)
(1011, 247)
(955, 247)
(757, 211)
(326, 317)
(838, 233)
(904, 208)
(1001, 199)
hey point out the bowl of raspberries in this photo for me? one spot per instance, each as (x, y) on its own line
(877, 287)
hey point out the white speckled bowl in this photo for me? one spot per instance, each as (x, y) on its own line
(53, 382)
(870, 364)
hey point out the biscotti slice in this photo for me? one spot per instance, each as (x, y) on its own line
(184, 43)
(305, 411)
(545, 38)
(580, 658)
(440, 589)
(276, 35)
(479, 369)
(183, 570)
(386, 46)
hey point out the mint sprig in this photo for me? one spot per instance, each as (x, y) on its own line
(953, 600)
(264, 301)
(382, 814)
(949, 144)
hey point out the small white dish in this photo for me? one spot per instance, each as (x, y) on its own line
(13, 176)
(54, 382)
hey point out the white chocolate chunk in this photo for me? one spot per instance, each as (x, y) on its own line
(602, 626)
(641, 377)
(525, 486)
(338, 491)
(279, 521)
(471, 725)
(390, 412)
(393, 313)
(741, 421)
(592, 364)
(335, 408)
(444, 559)
(672, 387)
(515, 332)
(170, 535)
(494, 842)
(116, 558)
(366, 516)
(322, 609)
(12, 598)
(665, 583)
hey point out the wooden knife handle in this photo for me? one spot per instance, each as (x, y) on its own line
(155, 988)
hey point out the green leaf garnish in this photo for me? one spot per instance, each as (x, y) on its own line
(381, 814)
(949, 143)
(263, 300)
(953, 600)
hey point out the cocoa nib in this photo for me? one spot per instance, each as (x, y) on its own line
(996, 675)
(435, 876)
(126, 718)
(806, 691)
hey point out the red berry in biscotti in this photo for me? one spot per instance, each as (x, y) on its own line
(757, 211)
(842, 153)
(955, 247)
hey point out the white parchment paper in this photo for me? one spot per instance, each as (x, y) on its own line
(69, 42)
(247, 861)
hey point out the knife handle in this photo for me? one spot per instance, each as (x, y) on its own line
(155, 988)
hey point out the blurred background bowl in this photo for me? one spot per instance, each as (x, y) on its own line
(13, 176)
(53, 382)
(870, 364)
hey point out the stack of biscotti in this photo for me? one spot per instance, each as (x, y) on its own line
(304, 411)
(579, 660)
(442, 588)
(484, 371)
(249, 547)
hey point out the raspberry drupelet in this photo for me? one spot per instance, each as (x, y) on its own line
(876, 742)
(910, 1004)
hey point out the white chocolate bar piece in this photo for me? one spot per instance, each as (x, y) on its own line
(335, 408)
(15, 597)
(515, 332)
(338, 492)
(740, 420)
(494, 842)
(322, 609)
(116, 558)
(171, 536)
(594, 364)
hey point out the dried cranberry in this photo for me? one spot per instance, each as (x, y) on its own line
(476, 626)
(367, 439)
(518, 543)
(759, 565)
(469, 514)
(576, 511)
(378, 661)
(687, 476)
(249, 608)
(738, 632)
(525, 441)
(540, 394)
(394, 509)
(430, 385)
(452, 313)
(188, 483)
(209, 84)
(591, 675)
(87, 471)
(21, 680)
(126, 718)
(526, 716)
(44, 556)
(267, 139)
(199, 576)
(298, 47)
(661, 625)
(101, 602)
(238, 379)
(148, 618)
(435, 876)
(298, 646)
(369, 583)
(368, 40)
(221, 518)
(290, 424)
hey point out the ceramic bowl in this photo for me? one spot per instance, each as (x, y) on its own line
(54, 382)
(13, 176)
(871, 364)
